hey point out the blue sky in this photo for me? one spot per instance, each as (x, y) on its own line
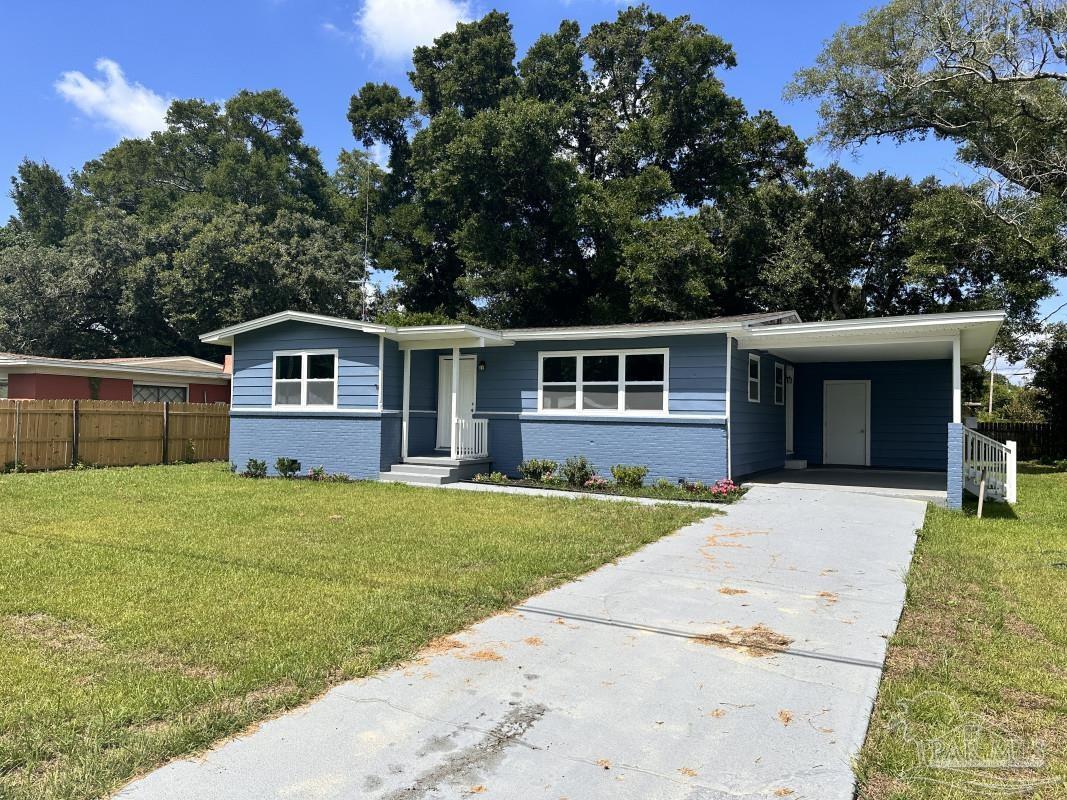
(61, 107)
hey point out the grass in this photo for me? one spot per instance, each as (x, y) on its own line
(978, 667)
(147, 612)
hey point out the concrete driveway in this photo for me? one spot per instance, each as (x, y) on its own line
(738, 658)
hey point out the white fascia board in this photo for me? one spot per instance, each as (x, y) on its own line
(948, 321)
(225, 335)
(629, 332)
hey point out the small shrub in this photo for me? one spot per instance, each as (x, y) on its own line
(317, 473)
(287, 467)
(337, 477)
(596, 482)
(662, 484)
(13, 466)
(536, 469)
(576, 471)
(491, 477)
(255, 469)
(629, 476)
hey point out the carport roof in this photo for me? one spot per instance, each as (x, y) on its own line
(910, 337)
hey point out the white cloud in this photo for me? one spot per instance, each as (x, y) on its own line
(393, 28)
(129, 108)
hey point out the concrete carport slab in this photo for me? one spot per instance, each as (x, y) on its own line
(737, 658)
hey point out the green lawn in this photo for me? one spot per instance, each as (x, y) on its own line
(978, 667)
(147, 612)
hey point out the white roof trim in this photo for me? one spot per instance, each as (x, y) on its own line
(666, 329)
(955, 319)
(225, 335)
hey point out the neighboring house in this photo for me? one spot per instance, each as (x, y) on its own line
(170, 378)
(697, 400)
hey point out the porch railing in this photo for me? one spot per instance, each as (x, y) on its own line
(997, 461)
(472, 438)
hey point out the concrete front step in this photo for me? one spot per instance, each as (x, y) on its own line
(399, 476)
(433, 472)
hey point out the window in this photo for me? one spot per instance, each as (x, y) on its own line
(603, 381)
(147, 393)
(753, 378)
(779, 384)
(305, 379)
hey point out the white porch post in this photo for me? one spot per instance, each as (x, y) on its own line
(957, 391)
(455, 403)
(406, 407)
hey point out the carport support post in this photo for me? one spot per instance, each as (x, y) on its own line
(954, 494)
(455, 403)
(406, 407)
(957, 390)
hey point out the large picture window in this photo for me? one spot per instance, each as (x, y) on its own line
(305, 379)
(602, 381)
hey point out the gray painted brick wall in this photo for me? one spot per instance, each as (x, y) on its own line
(955, 465)
(340, 442)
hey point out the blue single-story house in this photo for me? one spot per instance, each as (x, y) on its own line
(695, 400)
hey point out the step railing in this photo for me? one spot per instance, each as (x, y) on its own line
(985, 456)
(472, 438)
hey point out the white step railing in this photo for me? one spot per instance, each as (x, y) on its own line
(997, 461)
(472, 438)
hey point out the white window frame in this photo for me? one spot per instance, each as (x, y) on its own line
(304, 380)
(620, 407)
(779, 383)
(754, 357)
(153, 384)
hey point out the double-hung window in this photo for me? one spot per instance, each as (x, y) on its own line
(779, 384)
(604, 381)
(753, 378)
(306, 378)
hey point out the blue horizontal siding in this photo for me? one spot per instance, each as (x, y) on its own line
(911, 407)
(757, 430)
(253, 353)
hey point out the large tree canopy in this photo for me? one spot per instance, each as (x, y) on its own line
(557, 188)
(224, 215)
(990, 75)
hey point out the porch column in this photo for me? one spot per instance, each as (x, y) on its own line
(455, 403)
(957, 391)
(406, 407)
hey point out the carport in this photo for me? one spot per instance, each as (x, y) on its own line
(875, 405)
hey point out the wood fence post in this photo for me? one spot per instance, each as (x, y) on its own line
(18, 426)
(74, 438)
(166, 430)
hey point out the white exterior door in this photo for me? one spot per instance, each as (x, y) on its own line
(468, 376)
(846, 423)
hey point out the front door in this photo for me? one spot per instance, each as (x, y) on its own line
(468, 375)
(846, 422)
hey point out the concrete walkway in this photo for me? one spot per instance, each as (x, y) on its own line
(738, 658)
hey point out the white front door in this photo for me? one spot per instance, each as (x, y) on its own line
(468, 376)
(846, 423)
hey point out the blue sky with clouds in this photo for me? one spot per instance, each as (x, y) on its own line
(82, 75)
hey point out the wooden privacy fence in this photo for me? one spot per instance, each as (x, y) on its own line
(54, 434)
(1035, 439)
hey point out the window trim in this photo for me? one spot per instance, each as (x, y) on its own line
(754, 357)
(620, 409)
(779, 382)
(167, 384)
(303, 405)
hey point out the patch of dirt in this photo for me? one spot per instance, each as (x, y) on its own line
(726, 538)
(757, 641)
(881, 787)
(485, 654)
(167, 662)
(1022, 628)
(479, 789)
(829, 597)
(54, 634)
(534, 641)
(442, 645)
(603, 763)
(783, 792)
(785, 716)
(730, 590)
(718, 713)
(689, 772)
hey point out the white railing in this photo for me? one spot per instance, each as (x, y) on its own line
(997, 461)
(472, 438)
